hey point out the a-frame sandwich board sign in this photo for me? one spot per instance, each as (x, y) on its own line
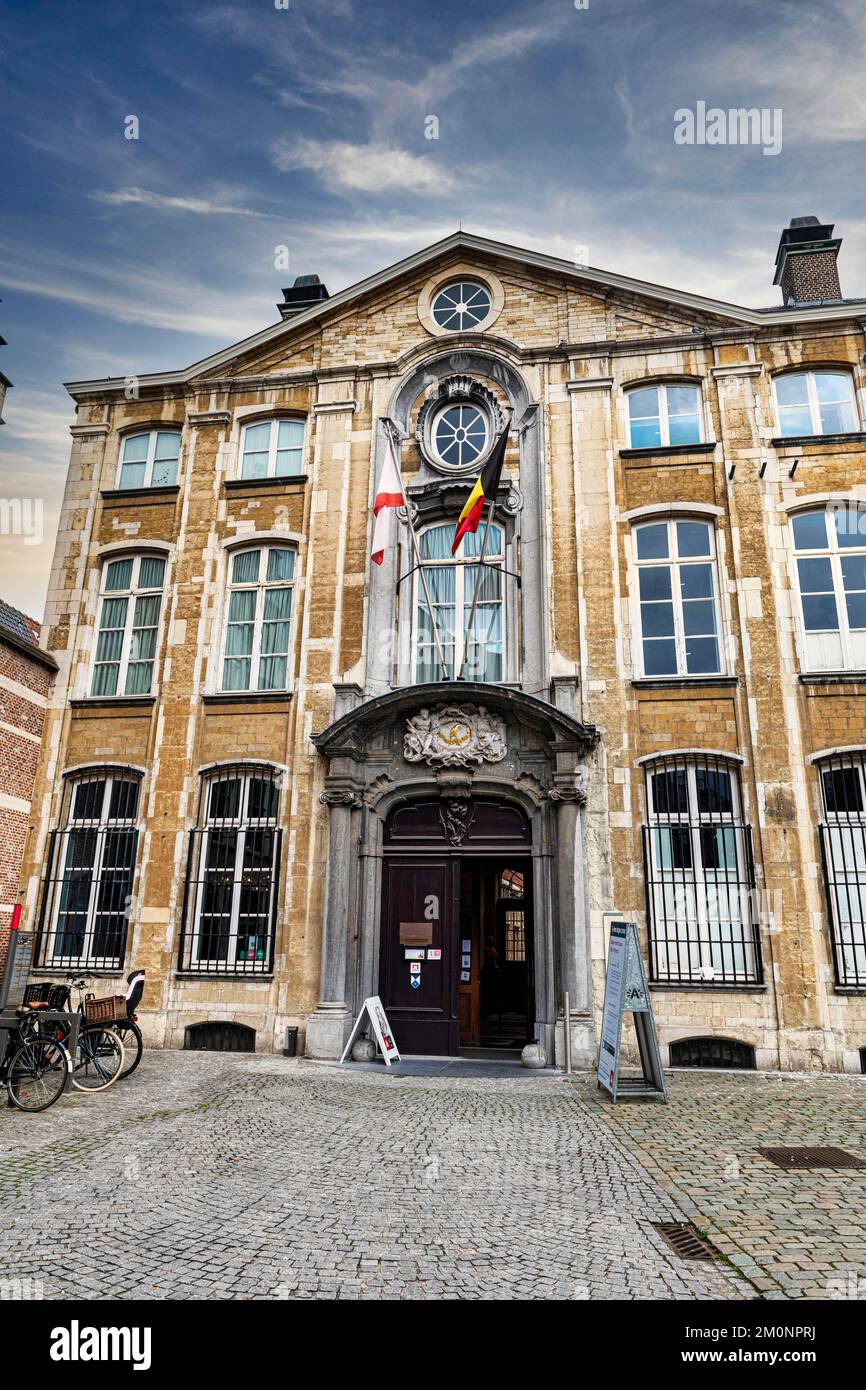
(625, 991)
(372, 1007)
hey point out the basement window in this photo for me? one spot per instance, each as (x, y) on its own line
(219, 1037)
(722, 1053)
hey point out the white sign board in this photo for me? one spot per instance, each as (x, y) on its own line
(372, 1007)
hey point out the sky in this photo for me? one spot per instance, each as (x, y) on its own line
(304, 124)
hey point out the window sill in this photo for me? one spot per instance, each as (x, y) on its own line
(683, 682)
(245, 484)
(60, 972)
(706, 987)
(832, 677)
(113, 702)
(810, 440)
(856, 991)
(139, 494)
(248, 697)
(263, 979)
(676, 450)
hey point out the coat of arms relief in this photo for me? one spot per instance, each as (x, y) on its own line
(454, 736)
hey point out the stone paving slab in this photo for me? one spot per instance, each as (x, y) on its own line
(795, 1235)
(234, 1177)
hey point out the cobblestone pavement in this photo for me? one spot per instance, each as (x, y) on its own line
(208, 1175)
(798, 1234)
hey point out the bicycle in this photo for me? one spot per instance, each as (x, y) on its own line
(34, 1066)
(127, 1028)
(99, 1055)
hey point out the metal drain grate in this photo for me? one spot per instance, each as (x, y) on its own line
(812, 1158)
(683, 1240)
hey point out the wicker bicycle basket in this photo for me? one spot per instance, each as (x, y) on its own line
(109, 1010)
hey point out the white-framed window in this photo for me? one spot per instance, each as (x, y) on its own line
(258, 618)
(460, 434)
(149, 459)
(89, 881)
(272, 449)
(463, 305)
(664, 416)
(128, 625)
(843, 842)
(233, 874)
(830, 550)
(700, 874)
(815, 403)
(451, 583)
(678, 598)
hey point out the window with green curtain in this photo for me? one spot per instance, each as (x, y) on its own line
(128, 626)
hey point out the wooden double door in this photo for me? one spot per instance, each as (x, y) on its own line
(456, 945)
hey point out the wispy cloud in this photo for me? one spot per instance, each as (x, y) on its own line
(121, 197)
(362, 168)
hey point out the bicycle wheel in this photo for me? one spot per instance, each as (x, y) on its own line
(37, 1074)
(133, 1045)
(98, 1060)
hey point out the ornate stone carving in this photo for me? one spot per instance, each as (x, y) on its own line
(571, 786)
(340, 796)
(458, 388)
(513, 502)
(454, 736)
(456, 818)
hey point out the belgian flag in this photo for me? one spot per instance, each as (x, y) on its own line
(486, 485)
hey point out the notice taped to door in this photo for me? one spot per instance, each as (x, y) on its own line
(375, 1012)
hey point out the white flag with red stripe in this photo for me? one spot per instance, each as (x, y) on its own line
(389, 494)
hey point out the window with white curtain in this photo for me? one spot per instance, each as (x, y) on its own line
(830, 549)
(661, 416)
(272, 449)
(149, 459)
(815, 403)
(258, 619)
(128, 625)
(678, 598)
(451, 583)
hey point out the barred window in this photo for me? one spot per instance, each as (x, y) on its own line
(699, 874)
(258, 619)
(843, 845)
(128, 625)
(230, 901)
(272, 449)
(678, 598)
(89, 875)
(830, 547)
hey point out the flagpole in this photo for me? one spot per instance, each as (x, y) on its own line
(478, 576)
(417, 554)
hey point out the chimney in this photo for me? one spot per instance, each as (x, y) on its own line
(307, 291)
(806, 262)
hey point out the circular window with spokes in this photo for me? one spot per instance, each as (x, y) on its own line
(462, 305)
(460, 434)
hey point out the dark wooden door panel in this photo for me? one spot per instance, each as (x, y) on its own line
(424, 1018)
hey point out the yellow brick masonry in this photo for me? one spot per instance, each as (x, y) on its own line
(339, 376)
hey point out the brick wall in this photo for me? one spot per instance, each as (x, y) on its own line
(24, 686)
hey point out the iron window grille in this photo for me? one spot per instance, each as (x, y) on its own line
(725, 1053)
(89, 875)
(232, 882)
(699, 874)
(843, 851)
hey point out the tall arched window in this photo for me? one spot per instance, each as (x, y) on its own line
(700, 876)
(843, 843)
(451, 583)
(91, 864)
(830, 547)
(128, 625)
(233, 874)
(678, 598)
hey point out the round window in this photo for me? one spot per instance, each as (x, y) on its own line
(460, 435)
(463, 305)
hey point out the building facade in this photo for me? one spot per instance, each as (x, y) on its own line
(263, 782)
(26, 673)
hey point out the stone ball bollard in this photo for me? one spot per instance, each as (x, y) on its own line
(364, 1050)
(533, 1055)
